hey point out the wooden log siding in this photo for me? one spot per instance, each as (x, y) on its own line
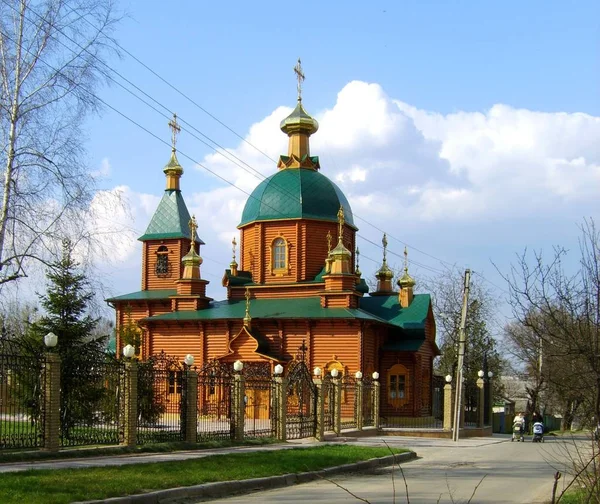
(339, 341)
(177, 249)
(176, 340)
(369, 351)
(282, 291)
(272, 231)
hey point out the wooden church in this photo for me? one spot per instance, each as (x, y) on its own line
(297, 285)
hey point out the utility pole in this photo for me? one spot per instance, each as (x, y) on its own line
(461, 356)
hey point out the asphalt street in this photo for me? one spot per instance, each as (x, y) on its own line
(497, 470)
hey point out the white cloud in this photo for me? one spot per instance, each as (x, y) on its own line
(406, 169)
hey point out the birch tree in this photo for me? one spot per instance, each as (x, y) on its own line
(52, 58)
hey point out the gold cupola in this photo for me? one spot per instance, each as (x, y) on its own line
(406, 284)
(384, 275)
(173, 169)
(299, 126)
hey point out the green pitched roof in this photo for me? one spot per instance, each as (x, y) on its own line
(268, 309)
(170, 220)
(388, 309)
(296, 193)
(401, 345)
(145, 295)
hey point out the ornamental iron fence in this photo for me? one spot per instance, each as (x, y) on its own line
(258, 411)
(90, 403)
(160, 384)
(215, 387)
(301, 419)
(348, 402)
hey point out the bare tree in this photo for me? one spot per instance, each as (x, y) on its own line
(558, 322)
(51, 60)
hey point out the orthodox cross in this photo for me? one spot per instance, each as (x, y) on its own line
(300, 76)
(405, 260)
(328, 241)
(175, 130)
(340, 216)
(233, 243)
(193, 226)
(385, 243)
(357, 271)
(301, 355)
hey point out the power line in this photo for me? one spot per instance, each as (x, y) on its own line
(254, 172)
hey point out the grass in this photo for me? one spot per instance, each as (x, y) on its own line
(97, 451)
(68, 485)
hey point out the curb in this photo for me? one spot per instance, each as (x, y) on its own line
(227, 488)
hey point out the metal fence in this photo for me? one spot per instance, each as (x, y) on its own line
(90, 400)
(368, 403)
(471, 398)
(257, 401)
(21, 420)
(301, 412)
(328, 403)
(215, 386)
(348, 402)
(159, 398)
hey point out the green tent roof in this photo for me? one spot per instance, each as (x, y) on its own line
(170, 220)
(296, 193)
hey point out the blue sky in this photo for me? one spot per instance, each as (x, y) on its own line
(468, 130)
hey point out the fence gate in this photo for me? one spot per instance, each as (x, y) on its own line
(301, 402)
(257, 400)
(348, 402)
(215, 387)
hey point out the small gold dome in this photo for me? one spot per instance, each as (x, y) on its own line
(299, 122)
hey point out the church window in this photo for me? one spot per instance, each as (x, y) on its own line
(279, 255)
(397, 381)
(175, 382)
(162, 261)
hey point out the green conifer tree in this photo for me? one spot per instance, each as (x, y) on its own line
(66, 303)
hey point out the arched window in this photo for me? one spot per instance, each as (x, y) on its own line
(279, 255)
(162, 261)
(398, 385)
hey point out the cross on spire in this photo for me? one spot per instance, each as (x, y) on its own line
(175, 130)
(193, 226)
(233, 243)
(340, 216)
(328, 241)
(300, 76)
(405, 260)
(385, 244)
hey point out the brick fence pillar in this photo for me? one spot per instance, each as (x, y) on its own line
(51, 402)
(337, 405)
(280, 407)
(376, 404)
(320, 413)
(191, 406)
(480, 402)
(129, 406)
(238, 406)
(448, 409)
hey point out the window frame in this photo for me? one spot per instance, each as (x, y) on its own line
(279, 265)
(398, 383)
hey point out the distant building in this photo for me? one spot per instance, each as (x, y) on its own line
(297, 292)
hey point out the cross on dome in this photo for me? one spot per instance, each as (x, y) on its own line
(300, 76)
(340, 216)
(193, 226)
(385, 244)
(175, 130)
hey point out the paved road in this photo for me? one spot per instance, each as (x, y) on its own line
(514, 473)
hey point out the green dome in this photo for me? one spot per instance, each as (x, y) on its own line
(296, 194)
